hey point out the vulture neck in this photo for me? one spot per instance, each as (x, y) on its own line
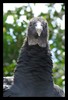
(34, 67)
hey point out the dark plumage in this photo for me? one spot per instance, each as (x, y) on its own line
(33, 74)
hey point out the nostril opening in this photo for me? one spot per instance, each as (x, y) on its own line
(36, 36)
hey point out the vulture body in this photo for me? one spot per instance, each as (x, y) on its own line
(33, 73)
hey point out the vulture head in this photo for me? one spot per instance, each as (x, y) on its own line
(37, 32)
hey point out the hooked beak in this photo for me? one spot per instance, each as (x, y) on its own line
(39, 28)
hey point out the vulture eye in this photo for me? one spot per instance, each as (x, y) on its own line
(30, 24)
(34, 23)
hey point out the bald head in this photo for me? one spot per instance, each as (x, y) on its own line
(37, 32)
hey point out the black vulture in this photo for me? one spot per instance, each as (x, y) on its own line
(33, 73)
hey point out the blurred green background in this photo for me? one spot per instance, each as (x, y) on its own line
(15, 22)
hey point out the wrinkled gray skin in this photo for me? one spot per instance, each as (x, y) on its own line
(37, 27)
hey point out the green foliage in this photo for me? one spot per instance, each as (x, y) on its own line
(14, 35)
